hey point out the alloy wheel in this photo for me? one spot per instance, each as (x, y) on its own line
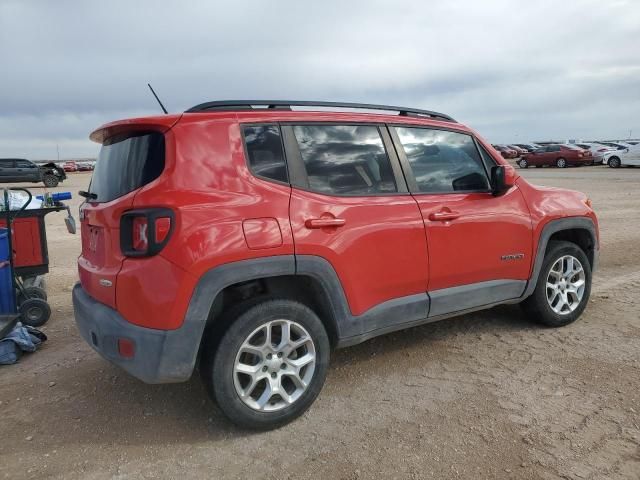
(565, 285)
(274, 365)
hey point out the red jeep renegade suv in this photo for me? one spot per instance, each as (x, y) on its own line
(251, 239)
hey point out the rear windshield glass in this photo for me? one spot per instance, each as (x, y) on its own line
(126, 163)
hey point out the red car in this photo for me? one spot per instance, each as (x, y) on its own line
(506, 152)
(560, 156)
(252, 241)
(519, 150)
(70, 166)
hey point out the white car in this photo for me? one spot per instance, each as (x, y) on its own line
(619, 158)
(597, 150)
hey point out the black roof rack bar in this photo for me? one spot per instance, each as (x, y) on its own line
(230, 105)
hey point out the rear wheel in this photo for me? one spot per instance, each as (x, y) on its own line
(50, 180)
(269, 365)
(614, 162)
(523, 163)
(561, 163)
(563, 286)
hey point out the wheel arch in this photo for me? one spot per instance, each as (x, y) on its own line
(578, 230)
(227, 285)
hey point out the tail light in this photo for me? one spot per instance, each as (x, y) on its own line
(145, 232)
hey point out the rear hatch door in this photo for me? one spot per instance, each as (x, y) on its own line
(129, 159)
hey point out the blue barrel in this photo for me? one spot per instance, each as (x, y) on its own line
(7, 293)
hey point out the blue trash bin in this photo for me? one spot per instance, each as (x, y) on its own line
(7, 293)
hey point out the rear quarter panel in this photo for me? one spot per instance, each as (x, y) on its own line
(208, 185)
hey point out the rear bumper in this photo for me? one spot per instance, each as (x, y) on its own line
(161, 356)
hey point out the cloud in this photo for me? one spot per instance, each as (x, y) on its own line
(510, 69)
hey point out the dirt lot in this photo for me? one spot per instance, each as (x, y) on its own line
(487, 395)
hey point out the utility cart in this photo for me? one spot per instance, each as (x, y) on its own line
(29, 261)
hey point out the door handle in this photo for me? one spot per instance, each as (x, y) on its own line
(443, 216)
(325, 222)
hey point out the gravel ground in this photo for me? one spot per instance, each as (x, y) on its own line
(487, 395)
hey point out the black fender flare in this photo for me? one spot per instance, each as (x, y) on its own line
(182, 345)
(555, 226)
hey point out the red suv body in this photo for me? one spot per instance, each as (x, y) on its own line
(558, 156)
(337, 226)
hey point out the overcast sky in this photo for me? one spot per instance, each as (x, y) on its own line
(513, 70)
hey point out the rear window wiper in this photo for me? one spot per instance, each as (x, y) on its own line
(88, 195)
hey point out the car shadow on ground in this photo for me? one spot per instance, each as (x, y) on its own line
(100, 404)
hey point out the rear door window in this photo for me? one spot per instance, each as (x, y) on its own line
(265, 153)
(7, 163)
(24, 164)
(443, 161)
(126, 163)
(345, 159)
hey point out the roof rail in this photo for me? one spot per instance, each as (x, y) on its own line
(231, 105)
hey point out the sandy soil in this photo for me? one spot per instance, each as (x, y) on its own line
(486, 395)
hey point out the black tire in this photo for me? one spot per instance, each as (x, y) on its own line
(31, 292)
(523, 163)
(218, 359)
(614, 162)
(50, 180)
(561, 163)
(34, 312)
(537, 307)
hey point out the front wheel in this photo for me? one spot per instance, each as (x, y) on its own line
(269, 365)
(563, 286)
(523, 163)
(561, 163)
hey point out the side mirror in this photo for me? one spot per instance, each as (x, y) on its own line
(502, 179)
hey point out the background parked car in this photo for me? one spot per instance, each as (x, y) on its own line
(70, 166)
(521, 151)
(619, 158)
(616, 145)
(506, 152)
(22, 170)
(85, 166)
(556, 155)
(530, 147)
(597, 150)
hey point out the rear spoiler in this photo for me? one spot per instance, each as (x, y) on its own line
(132, 125)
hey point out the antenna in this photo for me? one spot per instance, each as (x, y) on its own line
(154, 94)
